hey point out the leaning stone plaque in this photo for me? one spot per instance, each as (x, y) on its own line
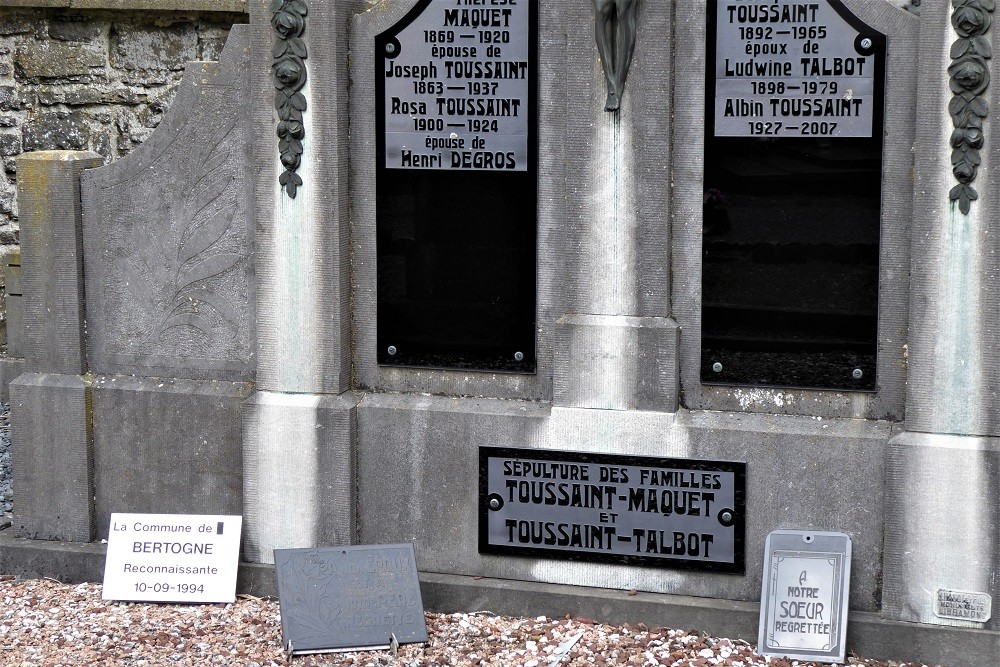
(803, 608)
(794, 116)
(678, 513)
(456, 175)
(348, 598)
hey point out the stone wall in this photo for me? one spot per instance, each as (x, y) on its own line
(96, 80)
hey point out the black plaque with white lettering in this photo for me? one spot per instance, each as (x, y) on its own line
(676, 513)
(794, 119)
(347, 598)
(456, 89)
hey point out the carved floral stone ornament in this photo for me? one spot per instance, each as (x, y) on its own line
(289, 22)
(970, 77)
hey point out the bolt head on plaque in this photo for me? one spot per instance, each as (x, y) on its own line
(866, 43)
(858, 374)
(716, 367)
(392, 350)
(519, 356)
(390, 48)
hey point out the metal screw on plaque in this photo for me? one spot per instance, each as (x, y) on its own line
(726, 516)
(392, 350)
(717, 367)
(519, 356)
(866, 43)
(390, 48)
(858, 374)
(494, 504)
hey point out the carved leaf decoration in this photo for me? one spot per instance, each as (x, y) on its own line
(298, 7)
(187, 318)
(980, 107)
(982, 46)
(298, 101)
(221, 304)
(296, 46)
(207, 233)
(210, 266)
(958, 49)
(280, 48)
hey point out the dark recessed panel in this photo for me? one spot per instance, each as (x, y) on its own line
(456, 186)
(792, 201)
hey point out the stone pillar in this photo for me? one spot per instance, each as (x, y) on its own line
(297, 441)
(943, 490)
(616, 345)
(50, 403)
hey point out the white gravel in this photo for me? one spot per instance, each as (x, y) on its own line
(47, 624)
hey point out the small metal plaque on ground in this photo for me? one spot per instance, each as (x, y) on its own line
(803, 607)
(679, 513)
(963, 605)
(348, 598)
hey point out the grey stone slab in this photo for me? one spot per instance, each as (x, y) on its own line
(954, 363)
(299, 472)
(153, 47)
(942, 498)
(897, 188)
(60, 59)
(10, 369)
(52, 457)
(802, 473)
(167, 446)
(616, 363)
(52, 259)
(168, 233)
(303, 264)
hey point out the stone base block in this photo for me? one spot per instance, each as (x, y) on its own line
(419, 465)
(614, 362)
(942, 524)
(298, 486)
(52, 457)
(167, 446)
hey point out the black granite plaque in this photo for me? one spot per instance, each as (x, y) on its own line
(456, 170)
(347, 598)
(792, 202)
(677, 513)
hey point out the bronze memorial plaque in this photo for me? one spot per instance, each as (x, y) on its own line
(348, 598)
(679, 513)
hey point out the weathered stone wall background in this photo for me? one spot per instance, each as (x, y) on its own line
(91, 80)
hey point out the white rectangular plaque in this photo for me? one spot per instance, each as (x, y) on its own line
(786, 68)
(457, 79)
(172, 558)
(803, 611)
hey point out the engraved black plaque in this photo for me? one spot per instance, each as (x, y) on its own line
(347, 598)
(677, 513)
(792, 202)
(456, 186)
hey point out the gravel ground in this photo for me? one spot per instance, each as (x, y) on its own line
(6, 477)
(47, 624)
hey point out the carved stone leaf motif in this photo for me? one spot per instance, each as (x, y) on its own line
(289, 52)
(969, 108)
(199, 252)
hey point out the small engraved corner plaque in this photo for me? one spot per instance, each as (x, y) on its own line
(963, 606)
(348, 598)
(803, 602)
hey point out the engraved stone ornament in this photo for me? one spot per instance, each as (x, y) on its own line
(615, 33)
(289, 22)
(970, 77)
